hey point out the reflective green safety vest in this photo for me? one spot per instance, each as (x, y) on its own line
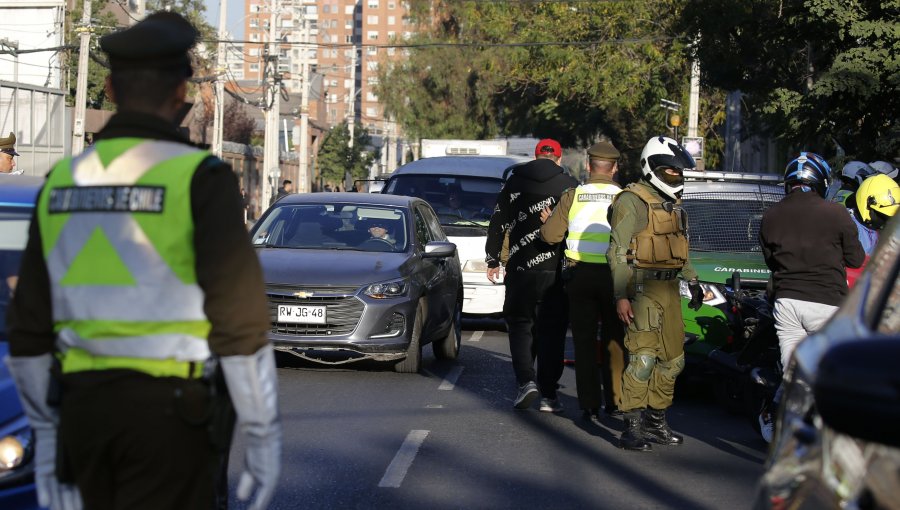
(118, 239)
(589, 229)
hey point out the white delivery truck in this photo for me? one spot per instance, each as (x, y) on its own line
(431, 148)
(463, 192)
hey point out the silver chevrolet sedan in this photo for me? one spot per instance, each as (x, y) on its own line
(356, 276)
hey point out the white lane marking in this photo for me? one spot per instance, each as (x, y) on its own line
(451, 378)
(476, 336)
(396, 471)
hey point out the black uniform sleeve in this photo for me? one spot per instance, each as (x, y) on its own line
(497, 229)
(29, 318)
(228, 269)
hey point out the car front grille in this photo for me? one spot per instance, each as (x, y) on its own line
(342, 313)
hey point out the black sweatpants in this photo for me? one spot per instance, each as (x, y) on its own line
(590, 290)
(536, 314)
(132, 441)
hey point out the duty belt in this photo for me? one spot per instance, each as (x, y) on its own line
(654, 274)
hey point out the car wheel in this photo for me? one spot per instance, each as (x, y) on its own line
(413, 360)
(448, 347)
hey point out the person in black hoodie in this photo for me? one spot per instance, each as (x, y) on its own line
(808, 242)
(535, 304)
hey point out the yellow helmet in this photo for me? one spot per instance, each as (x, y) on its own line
(877, 194)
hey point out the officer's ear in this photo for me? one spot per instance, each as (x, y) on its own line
(108, 88)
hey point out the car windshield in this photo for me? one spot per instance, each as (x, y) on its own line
(727, 221)
(458, 201)
(333, 227)
(13, 236)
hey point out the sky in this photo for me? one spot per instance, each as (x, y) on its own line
(234, 11)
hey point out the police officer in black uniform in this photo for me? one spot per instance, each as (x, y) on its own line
(132, 404)
(582, 213)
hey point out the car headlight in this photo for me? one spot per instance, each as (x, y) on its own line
(712, 296)
(16, 450)
(386, 290)
(475, 266)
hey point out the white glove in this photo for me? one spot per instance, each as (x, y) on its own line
(32, 377)
(254, 393)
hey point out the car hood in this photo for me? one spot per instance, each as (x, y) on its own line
(717, 267)
(10, 407)
(331, 267)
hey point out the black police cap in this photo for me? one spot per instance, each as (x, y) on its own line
(159, 41)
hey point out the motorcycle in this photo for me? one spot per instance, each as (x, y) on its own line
(749, 367)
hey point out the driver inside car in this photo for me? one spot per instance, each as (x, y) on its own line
(378, 229)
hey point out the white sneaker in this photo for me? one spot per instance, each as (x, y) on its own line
(766, 425)
(550, 405)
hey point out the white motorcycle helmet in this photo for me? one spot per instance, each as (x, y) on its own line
(885, 168)
(662, 152)
(855, 172)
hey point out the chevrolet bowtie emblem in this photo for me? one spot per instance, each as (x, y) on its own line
(303, 294)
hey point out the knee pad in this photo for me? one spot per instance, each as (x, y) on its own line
(640, 366)
(671, 369)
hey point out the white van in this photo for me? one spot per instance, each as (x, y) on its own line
(463, 191)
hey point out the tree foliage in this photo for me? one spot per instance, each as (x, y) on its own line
(817, 73)
(103, 21)
(571, 71)
(238, 125)
(335, 156)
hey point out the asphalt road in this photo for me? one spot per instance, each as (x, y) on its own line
(365, 437)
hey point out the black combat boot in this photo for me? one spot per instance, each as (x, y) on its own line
(632, 438)
(657, 430)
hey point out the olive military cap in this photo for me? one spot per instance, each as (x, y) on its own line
(604, 151)
(159, 41)
(8, 145)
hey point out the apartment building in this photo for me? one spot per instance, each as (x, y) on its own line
(339, 25)
(296, 30)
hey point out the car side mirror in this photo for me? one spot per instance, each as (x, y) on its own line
(857, 389)
(439, 249)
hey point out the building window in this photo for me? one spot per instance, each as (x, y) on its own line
(348, 10)
(372, 19)
(371, 50)
(373, 4)
(326, 9)
(370, 96)
(391, 35)
(392, 5)
(334, 52)
(348, 38)
(371, 111)
(391, 51)
(348, 24)
(392, 20)
(334, 83)
(372, 35)
(254, 67)
(254, 52)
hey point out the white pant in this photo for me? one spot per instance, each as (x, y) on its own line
(795, 320)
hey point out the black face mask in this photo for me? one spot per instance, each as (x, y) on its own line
(669, 179)
(878, 220)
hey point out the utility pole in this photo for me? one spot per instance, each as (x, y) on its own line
(694, 104)
(351, 111)
(273, 104)
(303, 170)
(81, 87)
(218, 114)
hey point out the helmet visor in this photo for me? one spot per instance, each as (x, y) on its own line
(679, 159)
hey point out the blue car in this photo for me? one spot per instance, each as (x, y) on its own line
(17, 491)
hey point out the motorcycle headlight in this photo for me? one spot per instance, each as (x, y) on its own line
(712, 296)
(16, 450)
(386, 290)
(475, 266)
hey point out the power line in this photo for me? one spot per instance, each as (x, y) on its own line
(469, 44)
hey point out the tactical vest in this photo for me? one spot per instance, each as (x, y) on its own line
(589, 229)
(118, 239)
(663, 243)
